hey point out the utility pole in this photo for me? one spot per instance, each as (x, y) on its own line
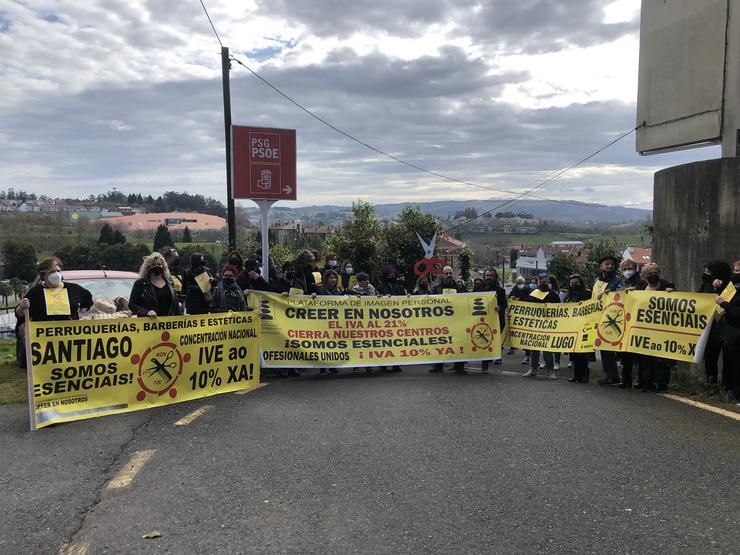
(230, 211)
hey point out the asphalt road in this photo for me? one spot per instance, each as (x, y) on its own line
(382, 463)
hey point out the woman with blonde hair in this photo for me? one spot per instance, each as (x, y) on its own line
(153, 293)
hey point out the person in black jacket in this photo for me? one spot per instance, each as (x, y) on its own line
(577, 292)
(655, 372)
(632, 281)
(153, 293)
(717, 272)
(491, 284)
(729, 332)
(283, 284)
(196, 301)
(250, 279)
(227, 295)
(548, 296)
(389, 284)
(448, 285)
(304, 269)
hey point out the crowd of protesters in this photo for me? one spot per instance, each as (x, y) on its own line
(165, 288)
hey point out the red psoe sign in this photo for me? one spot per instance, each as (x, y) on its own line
(263, 163)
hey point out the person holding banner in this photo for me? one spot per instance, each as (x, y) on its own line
(197, 283)
(608, 281)
(422, 286)
(714, 279)
(491, 284)
(346, 274)
(284, 284)
(227, 295)
(448, 285)
(655, 372)
(519, 292)
(729, 333)
(304, 269)
(250, 279)
(52, 298)
(363, 288)
(543, 294)
(577, 293)
(389, 285)
(632, 281)
(153, 294)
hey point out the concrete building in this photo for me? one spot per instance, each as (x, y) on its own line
(173, 220)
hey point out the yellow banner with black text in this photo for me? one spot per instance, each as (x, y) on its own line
(657, 323)
(302, 332)
(85, 369)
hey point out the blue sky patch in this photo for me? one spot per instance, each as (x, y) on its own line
(5, 23)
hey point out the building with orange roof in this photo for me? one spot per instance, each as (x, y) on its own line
(173, 220)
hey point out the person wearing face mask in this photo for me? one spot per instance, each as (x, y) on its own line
(655, 372)
(389, 284)
(197, 301)
(448, 285)
(519, 292)
(717, 271)
(632, 281)
(491, 284)
(153, 293)
(729, 334)
(304, 269)
(533, 284)
(52, 298)
(250, 279)
(347, 275)
(331, 262)
(613, 282)
(577, 293)
(543, 294)
(284, 283)
(227, 295)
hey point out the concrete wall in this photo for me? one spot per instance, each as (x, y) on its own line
(696, 215)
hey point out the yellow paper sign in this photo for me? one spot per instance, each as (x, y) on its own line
(729, 292)
(538, 294)
(352, 281)
(599, 288)
(317, 277)
(57, 302)
(449, 291)
(204, 282)
(296, 291)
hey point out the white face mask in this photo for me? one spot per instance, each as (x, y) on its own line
(628, 273)
(520, 286)
(348, 269)
(333, 263)
(54, 279)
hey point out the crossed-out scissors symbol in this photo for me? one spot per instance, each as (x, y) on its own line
(429, 264)
(615, 322)
(161, 367)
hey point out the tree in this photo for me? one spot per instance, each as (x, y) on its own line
(357, 239)
(106, 235)
(563, 265)
(400, 245)
(118, 238)
(468, 213)
(19, 261)
(5, 292)
(162, 238)
(17, 286)
(124, 256)
(465, 258)
(78, 257)
(186, 236)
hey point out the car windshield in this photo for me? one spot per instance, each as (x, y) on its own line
(111, 287)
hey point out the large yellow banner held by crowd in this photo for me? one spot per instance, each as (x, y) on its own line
(304, 332)
(85, 369)
(657, 323)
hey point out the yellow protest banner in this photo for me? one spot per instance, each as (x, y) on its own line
(86, 369)
(556, 327)
(57, 301)
(343, 331)
(668, 325)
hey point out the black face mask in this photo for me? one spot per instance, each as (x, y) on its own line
(653, 279)
(576, 288)
(423, 286)
(228, 281)
(391, 279)
(289, 276)
(156, 271)
(735, 279)
(607, 275)
(707, 278)
(543, 287)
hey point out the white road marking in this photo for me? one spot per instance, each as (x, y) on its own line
(245, 391)
(74, 549)
(128, 472)
(704, 406)
(187, 419)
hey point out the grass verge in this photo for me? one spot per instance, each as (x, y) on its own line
(13, 388)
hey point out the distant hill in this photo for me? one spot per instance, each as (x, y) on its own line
(572, 211)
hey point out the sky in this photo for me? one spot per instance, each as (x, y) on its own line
(97, 94)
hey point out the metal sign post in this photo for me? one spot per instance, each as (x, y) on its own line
(265, 230)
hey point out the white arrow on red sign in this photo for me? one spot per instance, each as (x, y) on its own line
(287, 189)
